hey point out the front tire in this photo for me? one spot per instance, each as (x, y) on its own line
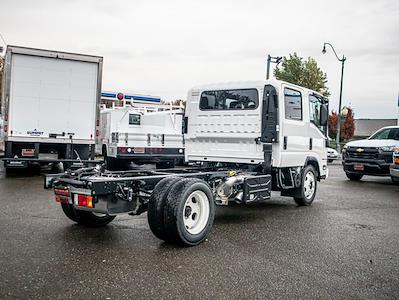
(189, 212)
(395, 180)
(354, 176)
(86, 218)
(306, 193)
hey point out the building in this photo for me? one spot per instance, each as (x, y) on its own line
(366, 127)
(110, 99)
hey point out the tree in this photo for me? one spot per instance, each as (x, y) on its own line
(347, 125)
(302, 72)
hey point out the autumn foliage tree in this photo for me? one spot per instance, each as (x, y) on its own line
(347, 125)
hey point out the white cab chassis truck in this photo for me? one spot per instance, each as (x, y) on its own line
(246, 139)
(142, 134)
(50, 105)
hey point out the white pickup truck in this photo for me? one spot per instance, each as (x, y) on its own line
(142, 134)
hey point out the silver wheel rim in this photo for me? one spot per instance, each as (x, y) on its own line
(309, 185)
(196, 212)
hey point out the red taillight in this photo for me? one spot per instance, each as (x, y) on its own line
(62, 192)
(62, 195)
(122, 149)
(84, 200)
(98, 122)
(97, 133)
(5, 117)
(5, 128)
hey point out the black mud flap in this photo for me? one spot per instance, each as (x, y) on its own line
(257, 188)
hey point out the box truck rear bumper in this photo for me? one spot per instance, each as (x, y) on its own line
(24, 162)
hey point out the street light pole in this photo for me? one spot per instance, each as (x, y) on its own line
(342, 60)
(271, 59)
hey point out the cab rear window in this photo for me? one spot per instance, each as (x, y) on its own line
(229, 99)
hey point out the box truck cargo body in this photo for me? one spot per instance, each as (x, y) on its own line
(50, 106)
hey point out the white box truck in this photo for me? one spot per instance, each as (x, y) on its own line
(248, 138)
(50, 104)
(142, 133)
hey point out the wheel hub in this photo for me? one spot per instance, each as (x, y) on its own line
(196, 212)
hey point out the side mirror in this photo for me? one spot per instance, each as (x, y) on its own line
(323, 115)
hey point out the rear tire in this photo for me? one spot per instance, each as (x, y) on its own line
(189, 212)
(165, 164)
(69, 211)
(395, 180)
(86, 218)
(156, 205)
(354, 176)
(113, 164)
(305, 194)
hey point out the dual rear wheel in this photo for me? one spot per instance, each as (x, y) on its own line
(181, 210)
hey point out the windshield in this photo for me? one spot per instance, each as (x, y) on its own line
(386, 134)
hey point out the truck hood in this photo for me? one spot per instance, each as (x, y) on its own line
(373, 143)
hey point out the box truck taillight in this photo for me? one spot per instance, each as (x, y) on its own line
(5, 117)
(84, 200)
(98, 122)
(97, 133)
(5, 128)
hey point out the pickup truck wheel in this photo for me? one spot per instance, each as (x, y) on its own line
(86, 218)
(395, 180)
(156, 205)
(189, 212)
(354, 176)
(306, 193)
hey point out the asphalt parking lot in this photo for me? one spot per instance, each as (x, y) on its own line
(345, 246)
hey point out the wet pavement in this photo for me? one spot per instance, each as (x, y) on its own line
(344, 246)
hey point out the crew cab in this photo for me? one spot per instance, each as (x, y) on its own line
(372, 156)
(242, 140)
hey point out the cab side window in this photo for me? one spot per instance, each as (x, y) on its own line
(293, 104)
(314, 110)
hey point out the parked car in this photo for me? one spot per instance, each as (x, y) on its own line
(372, 156)
(332, 154)
(394, 169)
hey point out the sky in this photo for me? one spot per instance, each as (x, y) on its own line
(164, 48)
